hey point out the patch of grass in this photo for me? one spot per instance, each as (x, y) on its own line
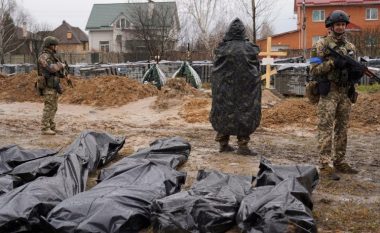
(369, 88)
(347, 217)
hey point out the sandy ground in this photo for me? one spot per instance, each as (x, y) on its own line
(350, 205)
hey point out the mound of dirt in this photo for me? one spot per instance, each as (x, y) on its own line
(102, 91)
(269, 99)
(174, 93)
(107, 91)
(115, 91)
(196, 110)
(19, 88)
(366, 111)
(290, 111)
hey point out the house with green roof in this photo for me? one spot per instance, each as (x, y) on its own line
(133, 27)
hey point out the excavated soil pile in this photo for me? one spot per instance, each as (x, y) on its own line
(196, 110)
(290, 111)
(269, 99)
(103, 91)
(174, 93)
(366, 112)
(19, 88)
(115, 91)
(107, 91)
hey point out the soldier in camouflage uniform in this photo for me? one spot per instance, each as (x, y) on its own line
(334, 104)
(49, 68)
(236, 90)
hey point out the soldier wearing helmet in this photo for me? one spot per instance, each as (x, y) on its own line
(334, 86)
(50, 67)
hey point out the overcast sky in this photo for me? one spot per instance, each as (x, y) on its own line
(77, 12)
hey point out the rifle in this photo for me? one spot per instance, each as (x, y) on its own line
(352, 63)
(65, 72)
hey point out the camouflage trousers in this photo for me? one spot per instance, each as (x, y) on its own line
(50, 108)
(224, 139)
(333, 112)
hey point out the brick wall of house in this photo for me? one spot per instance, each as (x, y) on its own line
(289, 40)
(357, 16)
(73, 47)
(294, 40)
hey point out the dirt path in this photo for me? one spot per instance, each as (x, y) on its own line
(350, 205)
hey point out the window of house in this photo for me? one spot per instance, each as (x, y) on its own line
(104, 46)
(122, 23)
(119, 42)
(69, 35)
(318, 15)
(315, 39)
(372, 14)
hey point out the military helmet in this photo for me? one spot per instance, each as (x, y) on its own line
(337, 16)
(50, 40)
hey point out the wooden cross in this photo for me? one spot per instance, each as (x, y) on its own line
(269, 60)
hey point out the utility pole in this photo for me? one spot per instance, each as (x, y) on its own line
(253, 21)
(304, 28)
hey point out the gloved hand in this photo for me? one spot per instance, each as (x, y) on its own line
(61, 65)
(340, 63)
(355, 73)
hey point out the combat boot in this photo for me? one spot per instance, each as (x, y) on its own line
(47, 132)
(329, 173)
(244, 150)
(57, 131)
(345, 168)
(225, 148)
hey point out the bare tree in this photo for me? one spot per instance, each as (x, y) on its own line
(259, 11)
(38, 33)
(203, 14)
(156, 26)
(10, 30)
(266, 29)
(214, 38)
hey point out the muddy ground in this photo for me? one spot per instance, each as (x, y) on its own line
(287, 135)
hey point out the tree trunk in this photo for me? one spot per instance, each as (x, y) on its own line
(253, 21)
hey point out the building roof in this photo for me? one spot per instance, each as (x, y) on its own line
(334, 2)
(281, 34)
(103, 15)
(78, 36)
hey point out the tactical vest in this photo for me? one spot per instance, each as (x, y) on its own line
(342, 47)
(52, 79)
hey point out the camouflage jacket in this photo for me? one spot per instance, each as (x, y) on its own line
(322, 65)
(48, 64)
